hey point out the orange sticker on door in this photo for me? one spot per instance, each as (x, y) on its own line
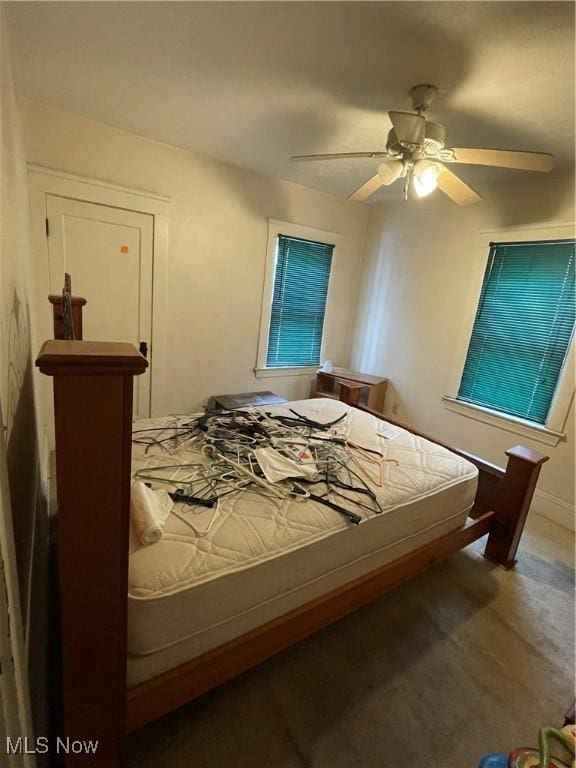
(123, 249)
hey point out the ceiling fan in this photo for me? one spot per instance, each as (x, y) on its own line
(416, 151)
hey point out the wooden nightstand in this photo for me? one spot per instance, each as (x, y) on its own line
(352, 387)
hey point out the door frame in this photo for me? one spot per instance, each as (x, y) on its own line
(85, 239)
(43, 181)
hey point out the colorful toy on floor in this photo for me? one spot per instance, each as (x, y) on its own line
(526, 757)
(494, 760)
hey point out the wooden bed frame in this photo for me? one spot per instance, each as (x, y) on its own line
(93, 384)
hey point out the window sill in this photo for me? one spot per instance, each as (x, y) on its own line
(539, 433)
(274, 373)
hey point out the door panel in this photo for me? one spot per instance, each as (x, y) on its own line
(109, 253)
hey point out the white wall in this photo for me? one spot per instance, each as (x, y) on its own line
(416, 293)
(218, 228)
(18, 445)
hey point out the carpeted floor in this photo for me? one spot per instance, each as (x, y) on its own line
(463, 660)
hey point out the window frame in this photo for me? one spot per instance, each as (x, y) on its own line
(276, 228)
(552, 432)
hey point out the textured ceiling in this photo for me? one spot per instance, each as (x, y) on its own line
(253, 83)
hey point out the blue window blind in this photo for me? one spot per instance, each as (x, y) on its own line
(299, 302)
(522, 330)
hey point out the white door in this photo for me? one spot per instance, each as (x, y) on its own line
(108, 253)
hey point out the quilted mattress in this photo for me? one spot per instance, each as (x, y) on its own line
(262, 558)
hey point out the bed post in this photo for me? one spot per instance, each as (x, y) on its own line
(512, 503)
(93, 424)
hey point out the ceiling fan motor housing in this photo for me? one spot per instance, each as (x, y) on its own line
(435, 137)
(434, 140)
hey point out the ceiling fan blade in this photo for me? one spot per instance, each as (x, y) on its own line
(408, 127)
(367, 189)
(339, 156)
(456, 189)
(505, 158)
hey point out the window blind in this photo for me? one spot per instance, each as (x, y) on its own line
(522, 329)
(299, 302)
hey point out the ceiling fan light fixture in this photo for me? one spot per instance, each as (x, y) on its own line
(416, 151)
(425, 178)
(389, 172)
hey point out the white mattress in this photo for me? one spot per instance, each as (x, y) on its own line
(262, 558)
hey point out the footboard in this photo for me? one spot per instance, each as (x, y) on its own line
(505, 492)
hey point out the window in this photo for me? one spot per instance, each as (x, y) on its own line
(522, 329)
(299, 302)
(295, 298)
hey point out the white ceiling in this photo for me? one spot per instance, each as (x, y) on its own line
(253, 82)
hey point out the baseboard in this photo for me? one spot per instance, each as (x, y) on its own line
(554, 508)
